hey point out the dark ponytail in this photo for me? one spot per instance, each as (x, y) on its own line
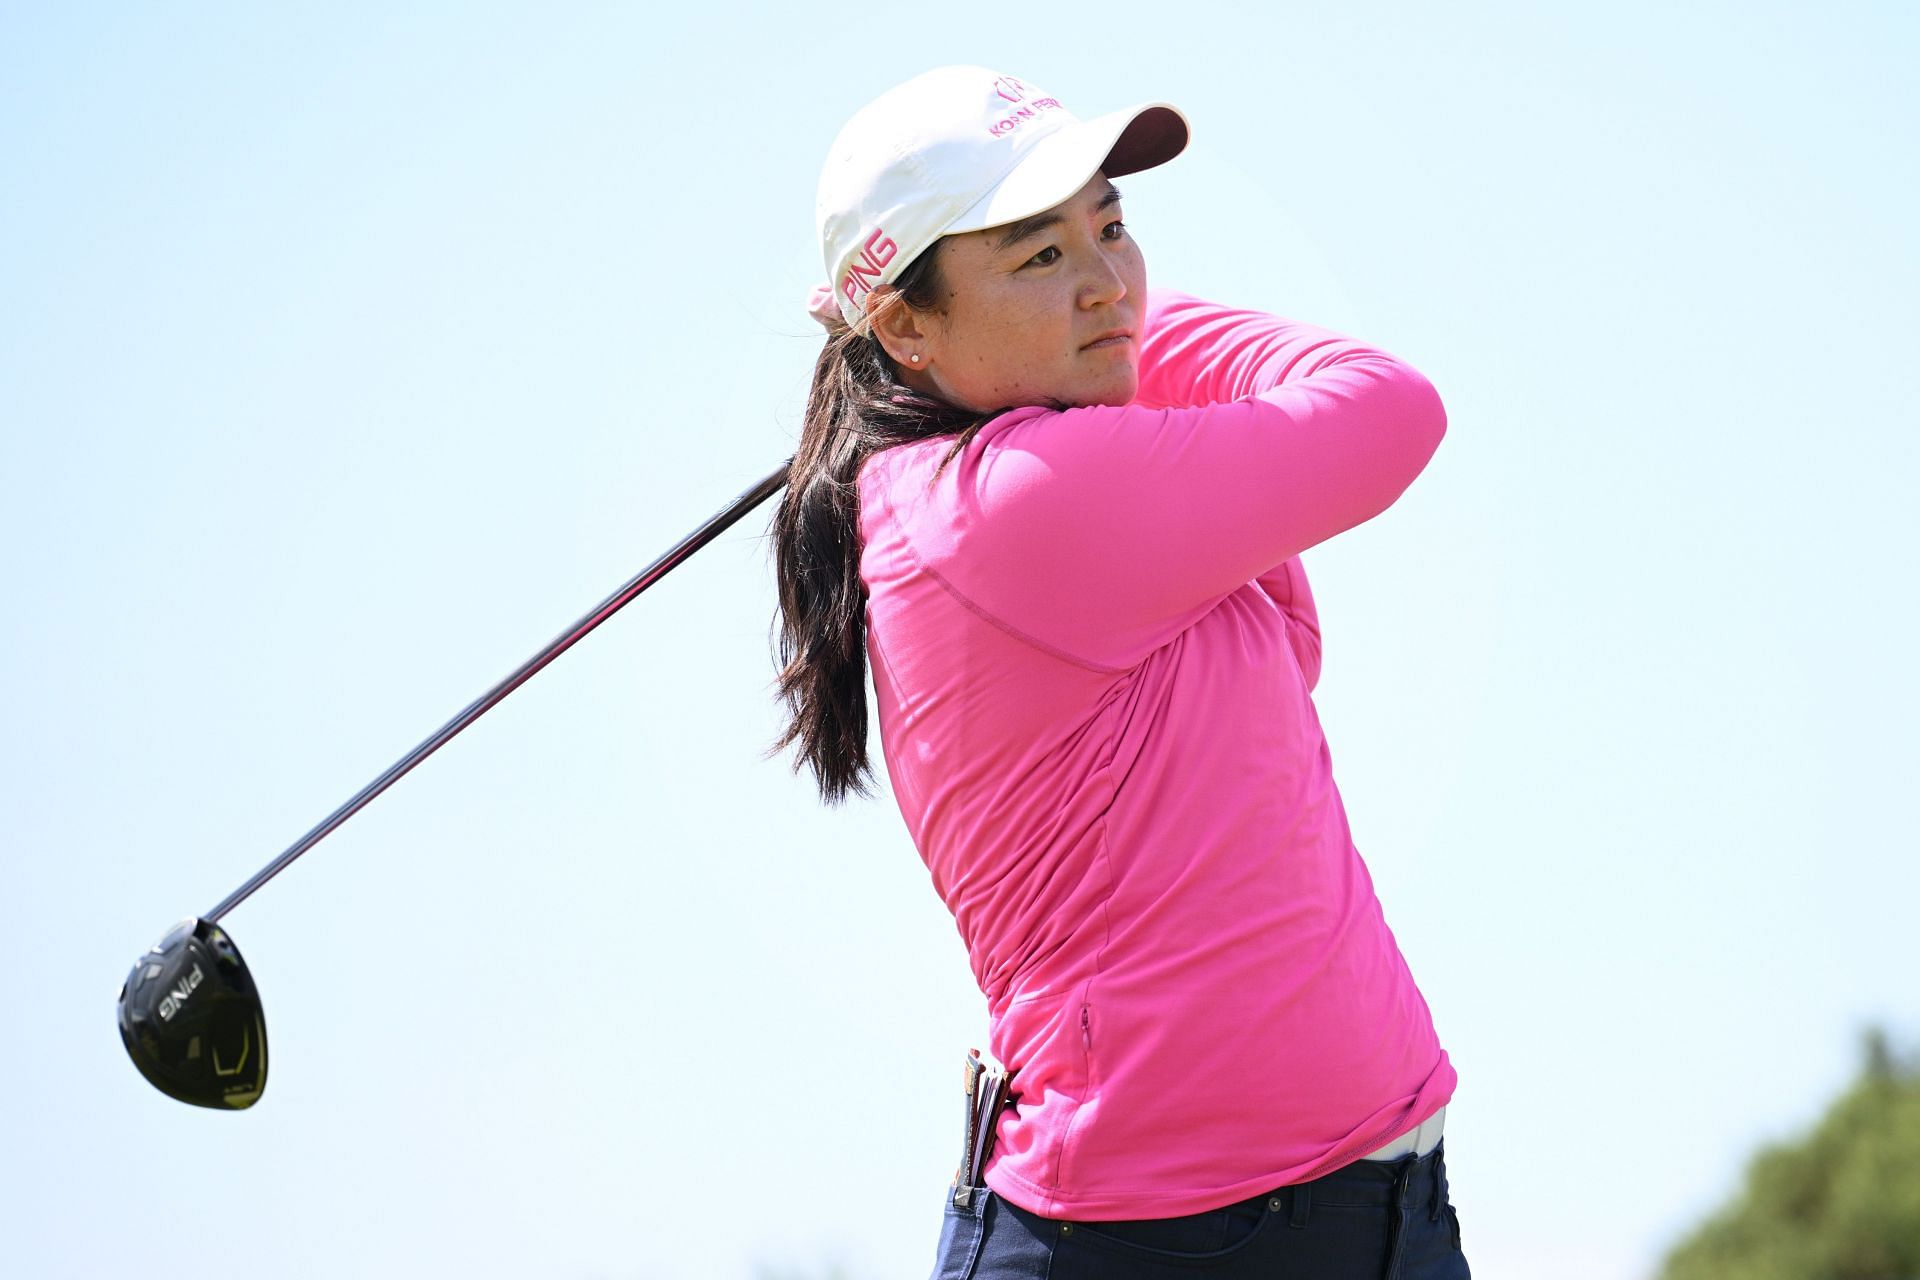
(856, 408)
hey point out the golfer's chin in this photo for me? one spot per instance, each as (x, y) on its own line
(1117, 386)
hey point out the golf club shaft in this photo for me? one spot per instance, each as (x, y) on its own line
(706, 533)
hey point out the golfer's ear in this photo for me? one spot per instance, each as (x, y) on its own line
(896, 326)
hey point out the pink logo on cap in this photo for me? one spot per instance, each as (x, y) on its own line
(864, 271)
(1020, 115)
(1009, 88)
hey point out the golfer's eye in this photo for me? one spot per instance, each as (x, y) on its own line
(1115, 230)
(1045, 258)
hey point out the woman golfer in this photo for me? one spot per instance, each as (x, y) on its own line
(1058, 518)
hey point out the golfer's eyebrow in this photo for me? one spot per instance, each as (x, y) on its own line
(1018, 231)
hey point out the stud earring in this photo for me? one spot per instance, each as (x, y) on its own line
(915, 357)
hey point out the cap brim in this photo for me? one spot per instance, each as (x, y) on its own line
(1118, 143)
(1149, 136)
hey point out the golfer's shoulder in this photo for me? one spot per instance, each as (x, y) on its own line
(1010, 485)
(1181, 327)
(1177, 314)
(1194, 351)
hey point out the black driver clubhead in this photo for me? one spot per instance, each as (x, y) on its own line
(190, 1017)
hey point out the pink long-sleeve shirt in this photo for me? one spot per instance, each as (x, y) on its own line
(1093, 649)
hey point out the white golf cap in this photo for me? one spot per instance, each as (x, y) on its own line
(960, 149)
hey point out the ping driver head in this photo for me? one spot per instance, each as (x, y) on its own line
(190, 1017)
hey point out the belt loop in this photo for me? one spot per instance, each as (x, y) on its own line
(1403, 1182)
(1302, 1205)
(1439, 1186)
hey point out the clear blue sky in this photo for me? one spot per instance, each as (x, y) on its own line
(349, 352)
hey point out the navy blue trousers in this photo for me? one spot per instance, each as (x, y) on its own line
(1372, 1220)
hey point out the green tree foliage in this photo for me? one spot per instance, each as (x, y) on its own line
(1843, 1203)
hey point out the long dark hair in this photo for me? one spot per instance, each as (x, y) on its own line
(856, 408)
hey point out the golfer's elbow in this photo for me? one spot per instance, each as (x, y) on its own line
(1419, 414)
(1404, 422)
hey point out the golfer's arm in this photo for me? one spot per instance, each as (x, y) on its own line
(1195, 352)
(1127, 524)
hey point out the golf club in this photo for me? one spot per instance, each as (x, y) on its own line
(190, 1014)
